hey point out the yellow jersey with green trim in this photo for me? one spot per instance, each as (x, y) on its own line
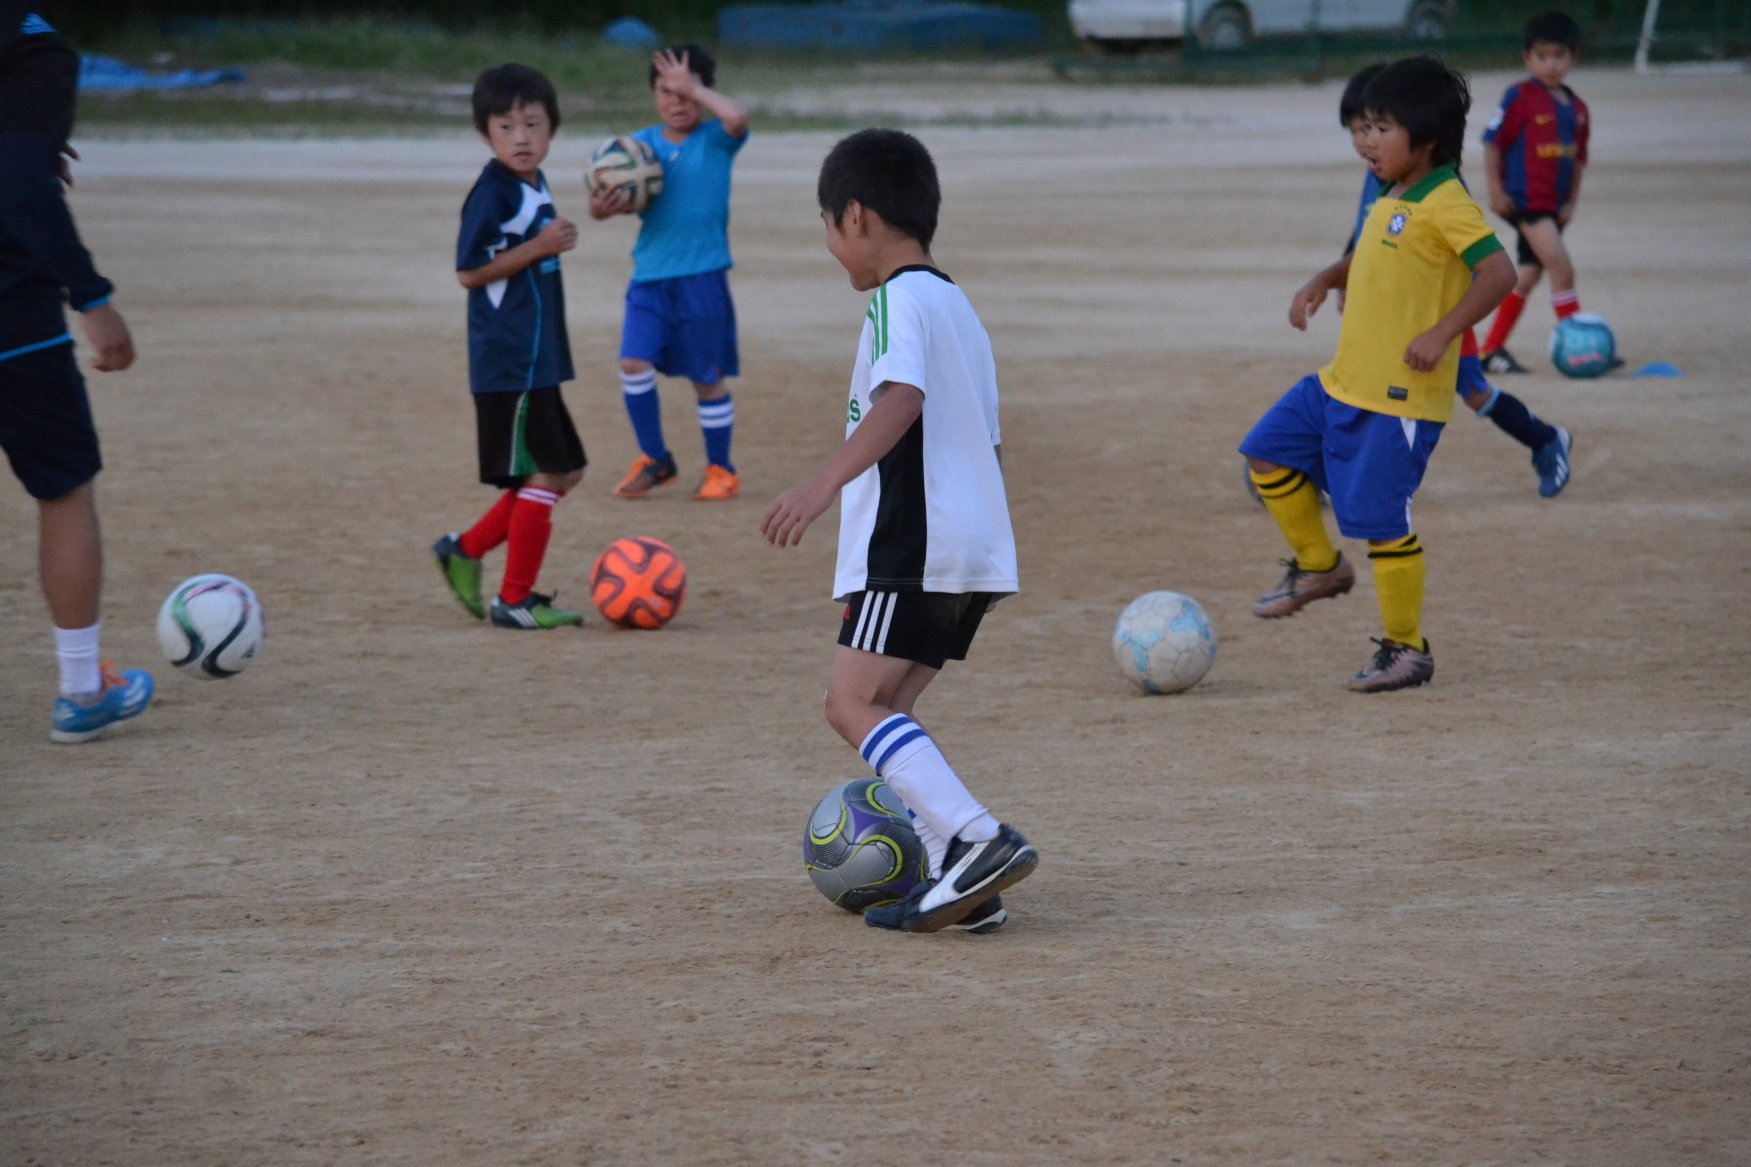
(1413, 263)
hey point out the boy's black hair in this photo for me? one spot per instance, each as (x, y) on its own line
(1556, 28)
(889, 172)
(1350, 105)
(1428, 99)
(699, 62)
(39, 81)
(504, 87)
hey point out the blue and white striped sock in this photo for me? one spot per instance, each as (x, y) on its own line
(903, 756)
(644, 408)
(716, 418)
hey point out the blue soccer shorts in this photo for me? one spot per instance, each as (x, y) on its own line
(1369, 463)
(686, 327)
(1470, 377)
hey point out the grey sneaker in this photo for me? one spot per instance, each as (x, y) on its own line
(1551, 460)
(532, 611)
(461, 573)
(1395, 666)
(1300, 588)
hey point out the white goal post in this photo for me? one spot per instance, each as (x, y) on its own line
(1650, 33)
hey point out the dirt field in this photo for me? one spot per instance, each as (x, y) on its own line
(413, 890)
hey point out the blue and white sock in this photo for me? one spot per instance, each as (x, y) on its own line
(76, 653)
(644, 408)
(903, 756)
(1514, 419)
(716, 418)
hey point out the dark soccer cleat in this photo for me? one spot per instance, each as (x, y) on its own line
(1551, 460)
(461, 573)
(1395, 666)
(1300, 587)
(1502, 361)
(973, 874)
(984, 919)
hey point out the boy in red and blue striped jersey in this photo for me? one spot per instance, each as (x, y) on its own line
(1534, 151)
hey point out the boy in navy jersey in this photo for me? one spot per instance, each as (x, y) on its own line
(507, 256)
(46, 427)
(921, 439)
(680, 320)
(1534, 151)
(1549, 444)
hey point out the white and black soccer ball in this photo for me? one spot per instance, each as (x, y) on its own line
(210, 626)
(860, 847)
(1163, 642)
(628, 164)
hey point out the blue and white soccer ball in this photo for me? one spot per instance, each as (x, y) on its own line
(1583, 346)
(860, 847)
(1163, 642)
(210, 626)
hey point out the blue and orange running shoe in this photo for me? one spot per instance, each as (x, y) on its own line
(125, 694)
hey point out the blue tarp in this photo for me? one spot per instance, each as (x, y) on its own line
(853, 26)
(108, 75)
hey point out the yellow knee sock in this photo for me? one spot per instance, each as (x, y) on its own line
(1293, 501)
(1398, 579)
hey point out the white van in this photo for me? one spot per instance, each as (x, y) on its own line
(1123, 25)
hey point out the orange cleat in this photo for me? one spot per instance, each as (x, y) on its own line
(717, 485)
(644, 474)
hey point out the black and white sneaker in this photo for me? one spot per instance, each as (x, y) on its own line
(972, 875)
(1502, 361)
(984, 919)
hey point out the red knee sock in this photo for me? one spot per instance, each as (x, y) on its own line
(1506, 317)
(531, 525)
(1566, 304)
(491, 528)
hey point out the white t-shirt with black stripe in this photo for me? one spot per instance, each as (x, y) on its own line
(932, 515)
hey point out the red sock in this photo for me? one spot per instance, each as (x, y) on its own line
(531, 525)
(1566, 304)
(1468, 343)
(1506, 317)
(491, 528)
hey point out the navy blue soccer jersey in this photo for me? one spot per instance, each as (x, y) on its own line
(516, 326)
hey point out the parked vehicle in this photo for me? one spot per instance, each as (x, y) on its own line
(1125, 25)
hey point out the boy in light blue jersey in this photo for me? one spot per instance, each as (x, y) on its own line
(680, 320)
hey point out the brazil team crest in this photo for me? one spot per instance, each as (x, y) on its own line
(1396, 226)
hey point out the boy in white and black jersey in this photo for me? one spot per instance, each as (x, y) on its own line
(925, 543)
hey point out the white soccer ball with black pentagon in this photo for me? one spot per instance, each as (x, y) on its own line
(210, 626)
(627, 164)
(1163, 642)
(860, 848)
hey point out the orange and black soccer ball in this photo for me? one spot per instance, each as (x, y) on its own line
(638, 583)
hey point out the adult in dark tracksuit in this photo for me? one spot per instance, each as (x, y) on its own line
(45, 418)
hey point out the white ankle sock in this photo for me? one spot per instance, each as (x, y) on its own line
(76, 653)
(903, 756)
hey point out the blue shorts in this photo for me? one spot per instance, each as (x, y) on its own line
(1470, 378)
(686, 327)
(1369, 463)
(45, 422)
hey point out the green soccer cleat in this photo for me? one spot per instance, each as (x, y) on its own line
(461, 573)
(534, 611)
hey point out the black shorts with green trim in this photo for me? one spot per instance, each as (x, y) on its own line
(928, 628)
(525, 433)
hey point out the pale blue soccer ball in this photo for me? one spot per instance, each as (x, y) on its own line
(1163, 642)
(1582, 346)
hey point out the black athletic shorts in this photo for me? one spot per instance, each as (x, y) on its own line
(45, 422)
(1523, 250)
(525, 433)
(928, 628)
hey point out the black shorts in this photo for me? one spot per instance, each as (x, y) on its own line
(45, 422)
(928, 628)
(526, 433)
(1523, 250)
